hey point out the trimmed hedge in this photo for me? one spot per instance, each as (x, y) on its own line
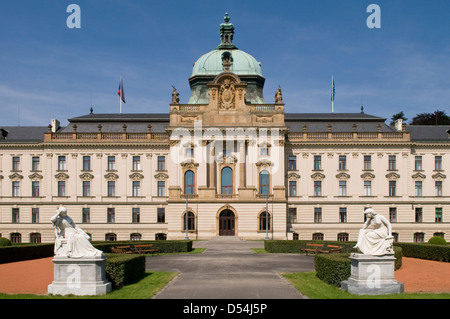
(124, 269)
(425, 251)
(15, 253)
(164, 246)
(294, 246)
(4, 242)
(334, 268)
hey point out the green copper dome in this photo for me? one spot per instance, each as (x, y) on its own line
(211, 63)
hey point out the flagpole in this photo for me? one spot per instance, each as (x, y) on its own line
(332, 93)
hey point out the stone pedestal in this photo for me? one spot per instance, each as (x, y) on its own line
(79, 276)
(372, 275)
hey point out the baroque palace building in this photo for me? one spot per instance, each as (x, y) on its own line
(237, 165)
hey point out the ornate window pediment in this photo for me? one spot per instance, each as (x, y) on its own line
(368, 176)
(343, 176)
(15, 177)
(293, 176)
(62, 176)
(318, 176)
(86, 177)
(35, 177)
(161, 176)
(439, 176)
(136, 176)
(112, 177)
(189, 164)
(392, 176)
(264, 163)
(419, 176)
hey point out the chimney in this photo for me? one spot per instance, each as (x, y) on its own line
(55, 125)
(399, 125)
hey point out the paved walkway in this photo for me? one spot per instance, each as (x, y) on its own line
(230, 270)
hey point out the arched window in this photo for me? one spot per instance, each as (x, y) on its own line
(264, 182)
(264, 221)
(35, 238)
(135, 236)
(190, 221)
(189, 184)
(227, 181)
(110, 237)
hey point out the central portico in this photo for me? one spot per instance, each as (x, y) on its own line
(227, 150)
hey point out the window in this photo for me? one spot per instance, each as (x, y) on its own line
(317, 162)
(292, 188)
(136, 188)
(264, 183)
(227, 181)
(438, 163)
(111, 163)
(438, 188)
(190, 221)
(86, 163)
(367, 162)
(15, 215)
(35, 238)
(35, 215)
(111, 237)
(86, 215)
(264, 221)
(86, 188)
(439, 234)
(438, 215)
(16, 238)
(136, 215)
(15, 189)
(342, 188)
(317, 188)
(317, 214)
(418, 163)
(189, 183)
(111, 188)
(392, 164)
(393, 214)
(317, 236)
(161, 212)
(111, 215)
(292, 163)
(61, 188)
(419, 237)
(16, 163)
(35, 163)
(419, 215)
(161, 163)
(136, 163)
(395, 235)
(342, 162)
(392, 188)
(35, 189)
(161, 188)
(189, 152)
(418, 188)
(264, 151)
(342, 214)
(367, 188)
(62, 165)
(292, 215)
(342, 237)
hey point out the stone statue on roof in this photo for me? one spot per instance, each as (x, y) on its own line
(175, 96)
(278, 96)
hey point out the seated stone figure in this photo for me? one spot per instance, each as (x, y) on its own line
(375, 236)
(71, 241)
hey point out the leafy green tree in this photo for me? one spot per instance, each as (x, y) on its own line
(399, 115)
(436, 118)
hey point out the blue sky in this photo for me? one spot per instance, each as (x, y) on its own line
(50, 71)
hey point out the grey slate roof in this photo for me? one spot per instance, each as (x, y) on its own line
(429, 132)
(23, 134)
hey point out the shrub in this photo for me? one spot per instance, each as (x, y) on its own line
(164, 246)
(124, 269)
(14, 253)
(425, 251)
(294, 246)
(437, 240)
(5, 242)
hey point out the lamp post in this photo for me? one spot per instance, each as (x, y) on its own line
(187, 215)
(267, 217)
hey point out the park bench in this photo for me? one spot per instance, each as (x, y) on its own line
(332, 249)
(121, 250)
(145, 249)
(311, 248)
(321, 249)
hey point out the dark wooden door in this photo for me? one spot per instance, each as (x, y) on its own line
(226, 223)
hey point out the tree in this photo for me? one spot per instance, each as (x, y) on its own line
(436, 118)
(399, 115)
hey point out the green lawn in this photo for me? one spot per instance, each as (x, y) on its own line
(314, 288)
(145, 288)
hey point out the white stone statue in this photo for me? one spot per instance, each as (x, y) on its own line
(71, 241)
(375, 236)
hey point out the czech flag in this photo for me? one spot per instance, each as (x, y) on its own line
(121, 93)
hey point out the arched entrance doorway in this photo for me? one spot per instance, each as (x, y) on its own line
(227, 223)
